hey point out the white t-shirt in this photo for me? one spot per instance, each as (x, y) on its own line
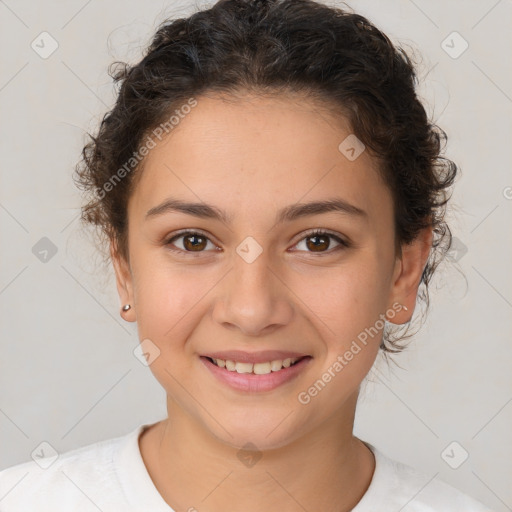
(111, 476)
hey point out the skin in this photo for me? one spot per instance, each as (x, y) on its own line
(253, 156)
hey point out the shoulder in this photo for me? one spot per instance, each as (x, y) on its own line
(82, 479)
(397, 485)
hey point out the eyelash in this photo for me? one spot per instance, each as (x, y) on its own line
(314, 232)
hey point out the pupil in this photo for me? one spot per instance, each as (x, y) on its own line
(320, 245)
(194, 246)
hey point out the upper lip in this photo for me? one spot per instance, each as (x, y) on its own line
(254, 357)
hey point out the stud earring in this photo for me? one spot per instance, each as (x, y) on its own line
(126, 307)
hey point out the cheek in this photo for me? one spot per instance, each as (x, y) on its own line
(168, 300)
(346, 303)
(347, 298)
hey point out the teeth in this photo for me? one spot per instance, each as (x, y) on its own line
(243, 367)
(256, 368)
(262, 368)
(276, 365)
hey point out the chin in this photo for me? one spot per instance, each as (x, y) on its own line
(257, 431)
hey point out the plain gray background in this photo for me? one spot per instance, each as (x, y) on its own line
(68, 374)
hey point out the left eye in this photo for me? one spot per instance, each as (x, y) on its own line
(194, 241)
(322, 241)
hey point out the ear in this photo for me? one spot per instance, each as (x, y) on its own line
(409, 268)
(124, 282)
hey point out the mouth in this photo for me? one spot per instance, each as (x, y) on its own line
(255, 376)
(263, 368)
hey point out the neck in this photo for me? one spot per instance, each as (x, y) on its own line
(327, 468)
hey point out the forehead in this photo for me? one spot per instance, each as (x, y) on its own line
(265, 151)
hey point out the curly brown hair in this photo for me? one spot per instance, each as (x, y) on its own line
(273, 46)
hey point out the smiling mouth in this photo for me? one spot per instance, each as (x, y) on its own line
(264, 368)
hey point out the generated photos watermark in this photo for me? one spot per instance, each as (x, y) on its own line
(342, 360)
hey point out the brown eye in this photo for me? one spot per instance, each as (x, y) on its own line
(320, 241)
(190, 242)
(194, 242)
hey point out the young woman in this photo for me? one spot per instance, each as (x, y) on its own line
(272, 196)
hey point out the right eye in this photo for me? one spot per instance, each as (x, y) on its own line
(191, 241)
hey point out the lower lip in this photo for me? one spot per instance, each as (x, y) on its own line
(252, 382)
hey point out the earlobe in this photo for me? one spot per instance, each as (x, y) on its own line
(410, 270)
(123, 283)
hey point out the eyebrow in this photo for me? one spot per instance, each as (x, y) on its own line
(287, 214)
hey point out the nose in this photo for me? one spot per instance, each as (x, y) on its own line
(253, 298)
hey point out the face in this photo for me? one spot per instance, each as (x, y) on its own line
(255, 280)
